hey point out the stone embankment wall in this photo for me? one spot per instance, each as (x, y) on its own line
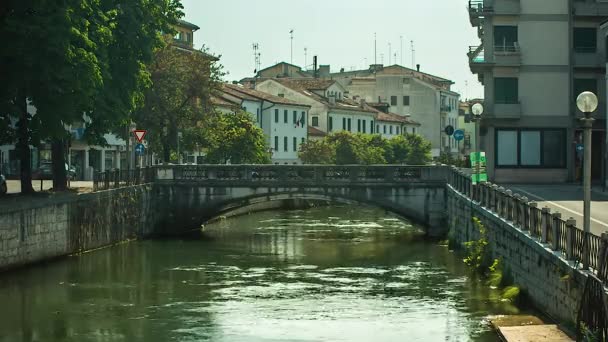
(47, 228)
(553, 284)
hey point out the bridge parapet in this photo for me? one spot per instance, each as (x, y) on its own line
(294, 175)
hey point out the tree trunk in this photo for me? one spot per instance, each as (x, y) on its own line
(23, 146)
(60, 180)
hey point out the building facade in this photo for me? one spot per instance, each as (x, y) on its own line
(535, 57)
(282, 120)
(427, 99)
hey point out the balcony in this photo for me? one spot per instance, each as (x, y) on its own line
(507, 54)
(445, 109)
(477, 59)
(478, 11)
(592, 8)
(506, 111)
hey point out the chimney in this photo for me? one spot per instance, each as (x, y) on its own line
(418, 67)
(324, 71)
(314, 66)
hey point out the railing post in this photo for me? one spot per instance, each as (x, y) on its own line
(555, 218)
(525, 213)
(531, 221)
(515, 211)
(544, 223)
(528, 209)
(509, 206)
(494, 198)
(106, 180)
(570, 238)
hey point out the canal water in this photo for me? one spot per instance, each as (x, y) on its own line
(336, 273)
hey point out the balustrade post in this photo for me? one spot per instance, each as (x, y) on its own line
(515, 210)
(494, 198)
(570, 238)
(509, 206)
(106, 179)
(545, 216)
(555, 219)
(530, 220)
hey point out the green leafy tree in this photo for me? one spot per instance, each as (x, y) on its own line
(178, 99)
(317, 152)
(234, 138)
(399, 148)
(419, 150)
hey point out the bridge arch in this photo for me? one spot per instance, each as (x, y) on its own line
(194, 204)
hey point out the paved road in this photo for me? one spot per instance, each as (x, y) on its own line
(14, 186)
(568, 199)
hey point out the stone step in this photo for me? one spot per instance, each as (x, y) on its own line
(525, 328)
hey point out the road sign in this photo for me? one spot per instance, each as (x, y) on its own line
(459, 135)
(478, 166)
(449, 130)
(140, 149)
(140, 134)
(580, 147)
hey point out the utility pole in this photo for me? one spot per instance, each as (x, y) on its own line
(412, 42)
(401, 49)
(291, 33)
(390, 53)
(305, 58)
(256, 57)
(375, 50)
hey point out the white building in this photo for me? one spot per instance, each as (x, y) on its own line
(282, 120)
(426, 98)
(330, 110)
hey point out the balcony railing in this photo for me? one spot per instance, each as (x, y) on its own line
(507, 48)
(476, 54)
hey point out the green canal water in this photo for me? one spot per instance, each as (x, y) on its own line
(334, 273)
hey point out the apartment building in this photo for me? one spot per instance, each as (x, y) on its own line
(282, 120)
(534, 58)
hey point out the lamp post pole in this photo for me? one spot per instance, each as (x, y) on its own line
(477, 110)
(586, 103)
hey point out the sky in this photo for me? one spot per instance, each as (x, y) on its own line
(340, 33)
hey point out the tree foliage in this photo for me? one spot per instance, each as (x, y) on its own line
(234, 138)
(179, 97)
(345, 148)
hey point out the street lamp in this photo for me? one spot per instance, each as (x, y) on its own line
(587, 103)
(477, 110)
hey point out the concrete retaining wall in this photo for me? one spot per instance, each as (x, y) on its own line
(552, 283)
(47, 228)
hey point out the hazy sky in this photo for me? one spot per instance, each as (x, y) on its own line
(340, 33)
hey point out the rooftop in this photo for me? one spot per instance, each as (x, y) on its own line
(316, 132)
(187, 24)
(256, 95)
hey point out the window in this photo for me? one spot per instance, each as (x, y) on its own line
(295, 144)
(358, 125)
(331, 123)
(393, 100)
(276, 143)
(377, 128)
(531, 148)
(285, 115)
(315, 121)
(371, 126)
(406, 100)
(585, 39)
(344, 124)
(391, 129)
(505, 38)
(276, 115)
(584, 84)
(384, 128)
(413, 130)
(189, 37)
(349, 125)
(397, 130)
(303, 140)
(295, 117)
(257, 114)
(285, 148)
(506, 90)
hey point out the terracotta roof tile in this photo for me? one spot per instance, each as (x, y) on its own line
(316, 132)
(252, 94)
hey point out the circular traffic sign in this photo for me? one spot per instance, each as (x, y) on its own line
(580, 147)
(458, 135)
(140, 149)
(449, 130)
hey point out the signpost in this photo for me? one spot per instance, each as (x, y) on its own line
(478, 167)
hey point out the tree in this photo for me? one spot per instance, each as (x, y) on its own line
(234, 138)
(419, 150)
(317, 152)
(179, 97)
(399, 148)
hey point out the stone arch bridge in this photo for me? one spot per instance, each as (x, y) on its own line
(193, 194)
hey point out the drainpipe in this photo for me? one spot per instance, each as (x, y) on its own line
(572, 129)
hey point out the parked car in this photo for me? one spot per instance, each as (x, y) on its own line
(3, 186)
(45, 171)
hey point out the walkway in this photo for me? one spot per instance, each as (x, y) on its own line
(14, 186)
(567, 199)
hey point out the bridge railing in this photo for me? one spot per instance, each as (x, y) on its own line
(115, 178)
(310, 174)
(558, 234)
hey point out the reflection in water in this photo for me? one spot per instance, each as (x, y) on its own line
(325, 274)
